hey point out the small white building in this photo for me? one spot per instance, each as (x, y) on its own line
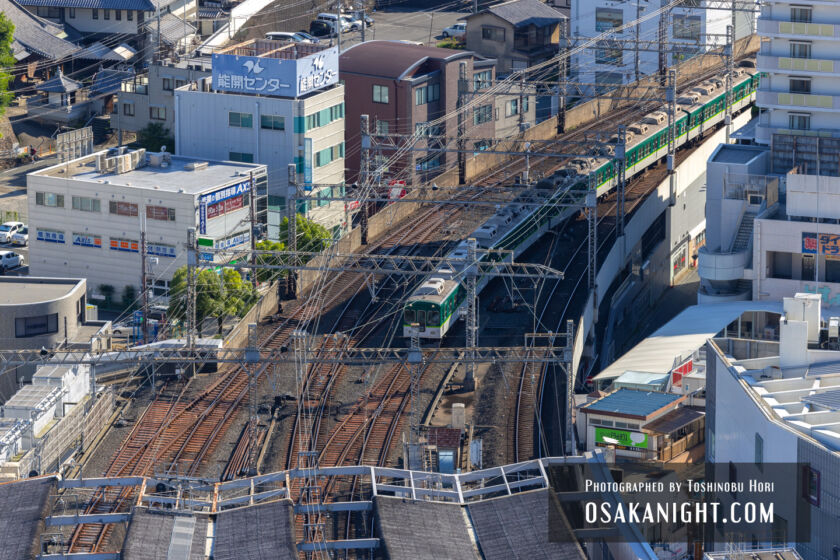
(276, 103)
(86, 215)
(73, 380)
(39, 403)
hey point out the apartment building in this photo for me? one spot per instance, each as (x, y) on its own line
(150, 97)
(86, 215)
(274, 103)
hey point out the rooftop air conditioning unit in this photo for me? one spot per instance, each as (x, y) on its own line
(196, 166)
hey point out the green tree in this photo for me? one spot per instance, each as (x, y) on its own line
(310, 236)
(269, 274)
(7, 31)
(154, 136)
(129, 297)
(220, 296)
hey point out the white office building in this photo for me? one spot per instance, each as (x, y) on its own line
(689, 32)
(86, 215)
(773, 209)
(274, 103)
(773, 414)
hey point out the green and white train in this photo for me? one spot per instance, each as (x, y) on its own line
(436, 304)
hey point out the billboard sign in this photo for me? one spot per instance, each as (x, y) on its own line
(622, 439)
(307, 163)
(279, 77)
(824, 243)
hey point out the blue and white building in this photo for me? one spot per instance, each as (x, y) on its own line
(274, 103)
(86, 215)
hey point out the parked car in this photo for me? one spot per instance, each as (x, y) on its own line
(307, 36)
(10, 260)
(322, 28)
(129, 327)
(286, 36)
(358, 15)
(332, 20)
(457, 30)
(21, 237)
(8, 229)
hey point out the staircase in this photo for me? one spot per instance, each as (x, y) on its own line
(745, 233)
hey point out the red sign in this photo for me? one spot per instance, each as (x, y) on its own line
(352, 205)
(225, 206)
(681, 371)
(396, 190)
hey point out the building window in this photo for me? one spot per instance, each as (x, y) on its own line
(125, 245)
(106, 14)
(329, 155)
(482, 79)
(811, 485)
(800, 50)
(86, 204)
(128, 109)
(431, 162)
(609, 52)
(382, 127)
(34, 326)
(800, 14)
(483, 114)
(242, 157)
(157, 113)
(513, 106)
(49, 199)
(95, 13)
(71, 13)
(272, 122)
(380, 94)
(122, 208)
(118, 15)
(168, 84)
(129, 15)
(687, 27)
(481, 145)
(161, 213)
(325, 116)
(427, 94)
(759, 451)
(240, 120)
(180, 83)
(491, 33)
(798, 121)
(48, 12)
(608, 18)
(800, 85)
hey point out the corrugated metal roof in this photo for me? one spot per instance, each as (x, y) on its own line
(141, 5)
(256, 532)
(22, 504)
(632, 402)
(642, 378)
(674, 420)
(827, 399)
(390, 59)
(526, 12)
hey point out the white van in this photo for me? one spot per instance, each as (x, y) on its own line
(331, 19)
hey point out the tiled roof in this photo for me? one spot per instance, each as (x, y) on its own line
(526, 12)
(59, 84)
(141, 5)
(108, 81)
(98, 51)
(22, 505)
(632, 402)
(34, 35)
(259, 531)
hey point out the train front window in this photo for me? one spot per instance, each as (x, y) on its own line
(421, 318)
(410, 316)
(434, 317)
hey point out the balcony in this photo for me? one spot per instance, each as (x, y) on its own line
(786, 100)
(721, 267)
(768, 63)
(771, 27)
(138, 85)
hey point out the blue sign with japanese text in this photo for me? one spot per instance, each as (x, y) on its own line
(280, 77)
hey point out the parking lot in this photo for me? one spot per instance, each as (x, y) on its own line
(423, 27)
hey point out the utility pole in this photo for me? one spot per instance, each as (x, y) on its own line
(521, 106)
(662, 35)
(671, 97)
(475, 6)
(472, 321)
(339, 24)
(462, 122)
(364, 24)
(144, 283)
(730, 70)
(364, 172)
(561, 83)
(416, 363)
(571, 376)
(252, 215)
(621, 163)
(636, 48)
(252, 359)
(291, 215)
(192, 264)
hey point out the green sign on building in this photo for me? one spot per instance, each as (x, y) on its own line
(621, 438)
